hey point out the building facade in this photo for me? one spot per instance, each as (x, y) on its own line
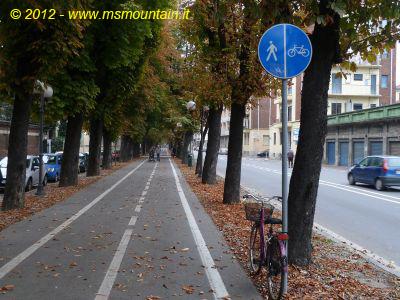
(354, 135)
(256, 137)
(371, 85)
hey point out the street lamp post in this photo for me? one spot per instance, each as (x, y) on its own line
(45, 92)
(204, 111)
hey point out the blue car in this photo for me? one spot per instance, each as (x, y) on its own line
(53, 166)
(379, 171)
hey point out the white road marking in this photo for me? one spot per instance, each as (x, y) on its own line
(138, 208)
(379, 261)
(214, 278)
(144, 193)
(112, 271)
(4, 270)
(133, 220)
(339, 186)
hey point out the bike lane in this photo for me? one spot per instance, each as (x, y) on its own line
(164, 258)
(137, 241)
(72, 263)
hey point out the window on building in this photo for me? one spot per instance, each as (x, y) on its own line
(246, 138)
(385, 54)
(373, 84)
(265, 140)
(384, 81)
(358, 77)
(372, 106)
(357, 106)
(290, 90)
(336, 84)
(246, 122)
(336, 108)
(274, 138)
(289, 113)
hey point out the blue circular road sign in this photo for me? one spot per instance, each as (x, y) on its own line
(285, 51)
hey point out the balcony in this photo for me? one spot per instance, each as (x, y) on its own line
(366, 115)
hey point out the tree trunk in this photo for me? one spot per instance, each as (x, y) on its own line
(107, 142)
(125, 145)
(96, 133)
(186, 142)
(199, 163)
(70, 161)
(235, 146)
(209, 175)
(136, 149)
(313, 127)
(14, 193)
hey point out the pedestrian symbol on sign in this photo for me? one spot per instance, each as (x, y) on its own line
(272, 51)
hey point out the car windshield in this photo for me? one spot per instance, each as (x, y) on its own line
(52, 160)
(394, 162)
(3, 162)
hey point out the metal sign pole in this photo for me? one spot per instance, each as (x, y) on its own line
(285, 51)
(285, 150)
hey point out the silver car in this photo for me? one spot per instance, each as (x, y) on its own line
(32, 172)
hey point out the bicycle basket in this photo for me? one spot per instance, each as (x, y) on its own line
(253, 210)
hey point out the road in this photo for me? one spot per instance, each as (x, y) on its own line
(139, 233)
(360, 214)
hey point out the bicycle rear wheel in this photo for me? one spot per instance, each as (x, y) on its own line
(275, 269)
(254, 249)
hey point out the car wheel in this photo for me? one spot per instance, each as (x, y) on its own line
(351, 179)
(45, 180)
(379, 185)
(29, 185)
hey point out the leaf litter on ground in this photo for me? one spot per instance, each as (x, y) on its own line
(335, 273)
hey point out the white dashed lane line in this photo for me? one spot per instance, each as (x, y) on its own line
(112, 272)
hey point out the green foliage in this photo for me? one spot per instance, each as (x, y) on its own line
(57, 144)
(36, 49)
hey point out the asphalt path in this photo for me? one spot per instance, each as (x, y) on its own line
(360, 214)
(137, 233)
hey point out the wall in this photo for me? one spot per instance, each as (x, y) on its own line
(33, 139)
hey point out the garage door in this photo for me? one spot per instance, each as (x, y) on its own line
(375, 148)
(394, 148)
(343, 154)
(358, 152)
(330, 153)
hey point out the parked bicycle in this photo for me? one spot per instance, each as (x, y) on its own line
(266, 249)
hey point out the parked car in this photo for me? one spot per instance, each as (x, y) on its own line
(223, 151)
(31, 175)
(263, 154)
(380, 171)
(53, 166)
(82, 163)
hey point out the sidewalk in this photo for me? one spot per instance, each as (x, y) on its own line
(139, 233)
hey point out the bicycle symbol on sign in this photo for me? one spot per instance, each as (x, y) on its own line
(298, 50)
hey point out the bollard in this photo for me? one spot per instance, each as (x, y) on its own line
(190, 160)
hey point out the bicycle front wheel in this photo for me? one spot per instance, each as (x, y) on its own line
(275, 269)
(255, 250)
